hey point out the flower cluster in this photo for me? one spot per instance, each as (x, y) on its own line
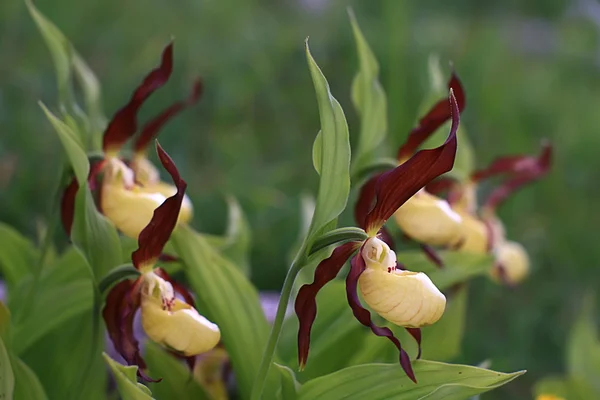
(405, 298)
(457, 222)
(167, 319)
(129, 189)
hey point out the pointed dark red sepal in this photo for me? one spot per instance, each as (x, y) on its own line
(306, 300)
(67, 203)
(432, 255)
(155, 235)
(150, 130)
(119, 312)
(416, 334)
(357, 267)
(124, 123)
(441, 185)
(394, 187)
(436, 117)
(177, 287)
(530, 170)
(365, 201)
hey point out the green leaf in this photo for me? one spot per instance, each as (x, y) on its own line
(228, 299)
(442, 340)
(238, 238)
(387, 381)
(126, 378)
(61, 51)
(567, 388)
(27, 384)
(7, 378)
(583, 347)
(17, 255)
(116, 275)
(289, 384)
(337, 236)
(458, 267)
(334, 184)
(317, 152)
(368, 98)
(177, 381)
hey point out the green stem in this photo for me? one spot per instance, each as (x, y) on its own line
(337, 236)
(284, 300)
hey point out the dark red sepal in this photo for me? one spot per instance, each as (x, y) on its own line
(394, 187)
(436, 117)
(67, 203)
(365, 201)
(306, 300)
(123, 124)
(155, 235)
(529, 171)
(150, 129)
(357, 267)
(177, 287)
(432, 255)
(416, 334)
(168, 258)
(122, 303)
(441, 185)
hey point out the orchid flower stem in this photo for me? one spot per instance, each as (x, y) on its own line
(284, 300)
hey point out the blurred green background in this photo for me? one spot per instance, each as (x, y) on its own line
(530, 70)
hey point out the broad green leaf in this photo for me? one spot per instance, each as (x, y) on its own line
(442, 340)
(17, 255)
(7, 378)
(177, 381)
(388, 381)
(52, 307)
(27, 384)
(66, 351)
(458, 267)
(368, 98)
(289, 384)
(334, 182)
(238, 238)
(227, 299)
(583, 347)
(126, 378)
(61, 51)
(317, 152)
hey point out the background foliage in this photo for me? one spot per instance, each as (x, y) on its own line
(530, 71)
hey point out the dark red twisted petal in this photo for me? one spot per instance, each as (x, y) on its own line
(436, 117)
(67, 203)
(529, 172)
(432, 255)
(441, 185)
(155, 235)
(416, 334)
(357, 267)
(177, 287)
(122, 303)
(394, 187)
(124, 123)
(365, 201)
(168, 258)
(150, 129)
(306, 300)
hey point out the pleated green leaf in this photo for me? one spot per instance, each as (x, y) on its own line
(388, 381)
(126, 378)
(27, 384)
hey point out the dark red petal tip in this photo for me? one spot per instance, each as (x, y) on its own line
(124, 123)
(357, 266)
(436, 117)
(306, 300)
(416, 334)
(155, 235)
(394, 187)
(526, 172)
(365, 201)
(151, 129)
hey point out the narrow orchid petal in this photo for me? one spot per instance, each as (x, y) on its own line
(394, 187)
(416, 334)
(432, 255)
(119, 312)
(365, 201)
(436, 117)
(526, 174)
(306, 300)
(155, 235)
(364, 316)
(150, 130)
(177, 287)
(67, 203)
(124, 123)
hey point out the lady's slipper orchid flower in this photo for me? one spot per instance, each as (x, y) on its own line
(402, 297)
(424, 217)
(128, 192)
(169, 321)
